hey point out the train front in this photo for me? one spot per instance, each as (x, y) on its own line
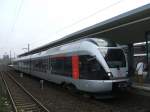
(117, 63)
(107, 68)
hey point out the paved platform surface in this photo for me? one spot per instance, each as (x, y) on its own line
(144, 86)
(141, 89)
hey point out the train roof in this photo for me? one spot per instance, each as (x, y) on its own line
(73, 47)
(129, 27)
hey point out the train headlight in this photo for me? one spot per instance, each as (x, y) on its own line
(110, 75)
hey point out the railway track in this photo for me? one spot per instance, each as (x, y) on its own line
(22, 100)
(58, 99)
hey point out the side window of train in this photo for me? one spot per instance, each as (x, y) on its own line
(62, 66)
(83, 66)
(90, 68)
(40, 65)
(49, 64)
(44, 64)
(68, 66)
(35, 65)
(57, 65)
(97, 71)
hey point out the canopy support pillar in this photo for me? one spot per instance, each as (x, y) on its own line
(130, 60)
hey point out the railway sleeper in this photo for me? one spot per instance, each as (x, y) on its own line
(25, 104)
(30, 110)
(33, 108)
(37, 109)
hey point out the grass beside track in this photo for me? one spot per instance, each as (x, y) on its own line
(5, 104)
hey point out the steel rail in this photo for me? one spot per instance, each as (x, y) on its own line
(28, 93)
(9, 93)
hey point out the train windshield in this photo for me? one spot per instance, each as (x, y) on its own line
(114, 57)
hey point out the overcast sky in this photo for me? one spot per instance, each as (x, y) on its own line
(39, 22)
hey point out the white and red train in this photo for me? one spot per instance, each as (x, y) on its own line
(91, 65)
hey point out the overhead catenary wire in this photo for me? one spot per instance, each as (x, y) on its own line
(12, 25)
(17, 15)
(89, 16)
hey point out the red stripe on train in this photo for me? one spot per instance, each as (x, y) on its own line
(75, 67)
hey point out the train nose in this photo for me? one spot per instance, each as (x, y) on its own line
(118, 72)
(120, 86)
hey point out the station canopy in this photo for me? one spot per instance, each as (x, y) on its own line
(129, 27)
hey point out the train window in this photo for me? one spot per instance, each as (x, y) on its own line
(83, 66)
(15, 63)
(49, 63)
(57, 65)
(91, 69)
(33, 65)
(61, 66)
(37, 65)
(44, 65)
(25, 65)
(96, 71)
(114, 58)
(68, 66)
(40, 65)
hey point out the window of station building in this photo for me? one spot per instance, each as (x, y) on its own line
(91, 69)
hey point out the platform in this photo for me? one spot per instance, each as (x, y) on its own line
(141, 89)
(144, 86)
